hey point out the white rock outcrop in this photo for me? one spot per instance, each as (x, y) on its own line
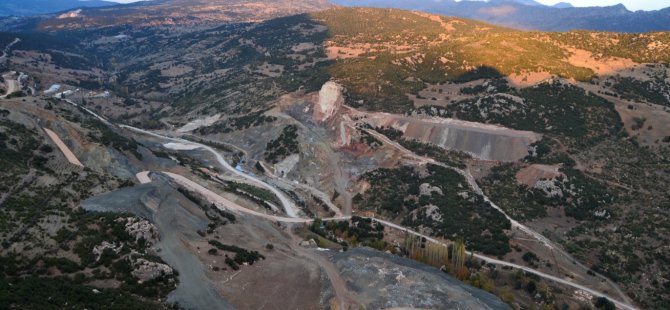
(550, 188)
(329, 101)
(308, 243)
(99, 249)
(428, 190)
(147, 270)
(140, 229)
(71, 14)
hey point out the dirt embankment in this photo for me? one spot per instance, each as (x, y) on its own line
(603, 66)
(482, 141)
(288, 278)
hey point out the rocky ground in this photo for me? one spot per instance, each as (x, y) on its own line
(383, 281)
(177, 221)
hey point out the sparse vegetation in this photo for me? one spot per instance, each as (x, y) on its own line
(448, 209)
(562, 111)
(242, 256)
(39, 269)
(610, 201)
(238, 123)
(655, 91)
(108, 137)
(285, 145)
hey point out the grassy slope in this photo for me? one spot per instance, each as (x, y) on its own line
(384, 75)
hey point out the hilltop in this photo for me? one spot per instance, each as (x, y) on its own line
(410, 51)
(534, 16)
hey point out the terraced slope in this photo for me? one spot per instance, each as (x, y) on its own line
(485, 142)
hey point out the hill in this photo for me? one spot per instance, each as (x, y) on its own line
(521, 15)
(410, 51)
(186, 13)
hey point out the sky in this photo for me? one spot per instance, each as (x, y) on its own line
(632, 5)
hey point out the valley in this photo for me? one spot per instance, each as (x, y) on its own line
(246, 155)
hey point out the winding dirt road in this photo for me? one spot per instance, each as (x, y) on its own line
(626, 304)
(5, 51)
(12, 84)
(224, 203)
(514, 223)
(289, 207)
(221, 202)
(100, 118)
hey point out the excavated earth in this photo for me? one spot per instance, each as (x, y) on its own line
(285, 279)
(382, 281)
(482, 141)
(291, 277)
(177, 222)
(532, 174)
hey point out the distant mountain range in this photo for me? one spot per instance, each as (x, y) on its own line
(36, 7)
(520, 14)
(163, 13)
(528, 14)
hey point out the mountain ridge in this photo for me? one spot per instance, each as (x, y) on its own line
(38, 7)
(514, 14)
(184, 13)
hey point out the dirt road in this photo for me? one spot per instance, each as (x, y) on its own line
(626, 304)
(5, 51)
(231, 206)
(63, 148)
(227, 204)
(515, 224)
(288, 205)
(100, 118)
(11, 83)
(316, 192)
(343, 297)
(143, 177)
(494, 261)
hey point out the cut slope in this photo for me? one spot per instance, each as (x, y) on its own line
(486, 142)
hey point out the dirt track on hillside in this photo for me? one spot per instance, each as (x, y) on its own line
(66, 150)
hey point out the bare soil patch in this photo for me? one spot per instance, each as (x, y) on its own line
(527, 79)
(533, 173)
(654, 119)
